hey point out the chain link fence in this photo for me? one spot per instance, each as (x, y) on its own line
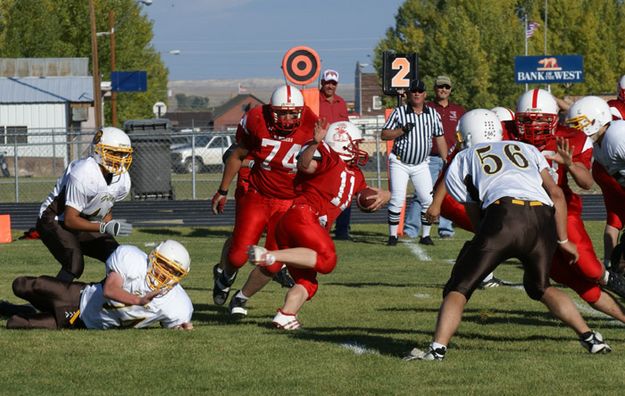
(190, 162)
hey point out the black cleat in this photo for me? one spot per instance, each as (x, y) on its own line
(221, 285)
(283, 278)
(616, 283)
(392, 241)
(237, 306)
(426, 241)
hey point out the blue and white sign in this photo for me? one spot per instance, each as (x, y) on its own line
(549, 69)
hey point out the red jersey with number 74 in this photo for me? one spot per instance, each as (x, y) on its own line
(275, 155)
(331, 188)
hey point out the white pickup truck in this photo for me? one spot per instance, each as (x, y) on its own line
(207, 156)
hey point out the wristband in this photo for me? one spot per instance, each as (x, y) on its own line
(222, 192)
(102, 225)
(563, 242)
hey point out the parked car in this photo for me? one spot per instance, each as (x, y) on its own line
(209, 150)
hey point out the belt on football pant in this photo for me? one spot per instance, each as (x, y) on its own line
(519, 202)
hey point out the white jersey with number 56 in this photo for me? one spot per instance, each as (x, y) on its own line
(97, 312)
(489, 171)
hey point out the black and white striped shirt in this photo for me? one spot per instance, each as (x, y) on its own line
(414, 147)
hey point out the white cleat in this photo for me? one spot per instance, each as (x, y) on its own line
(284, 321)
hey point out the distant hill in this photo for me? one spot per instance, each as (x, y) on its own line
(220, 91)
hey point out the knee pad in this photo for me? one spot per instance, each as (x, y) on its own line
(326, 262)
(237, 257)
(21, 285)
(534, 291)
(591, 295)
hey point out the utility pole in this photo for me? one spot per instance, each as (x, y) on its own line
(113, 93)
(97, 97)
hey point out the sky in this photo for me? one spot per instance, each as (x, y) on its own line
(237, 39)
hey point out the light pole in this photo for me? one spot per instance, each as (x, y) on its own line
(97, 97)
(97, 93)
(359, 67)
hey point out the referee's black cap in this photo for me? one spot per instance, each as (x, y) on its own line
(417, 85)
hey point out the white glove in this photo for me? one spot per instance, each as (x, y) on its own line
(116, 227)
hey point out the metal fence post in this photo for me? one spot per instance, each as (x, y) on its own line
(15, 167)
(193, 180)
(377, 158)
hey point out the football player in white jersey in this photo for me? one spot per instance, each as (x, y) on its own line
(139, 290)
(76, 218)
(510, 197)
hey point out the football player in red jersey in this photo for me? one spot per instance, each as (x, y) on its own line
(617, 106)
(273, 135)
(329, 176)
(569, 152)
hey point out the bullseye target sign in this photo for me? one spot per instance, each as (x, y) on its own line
(300, 65)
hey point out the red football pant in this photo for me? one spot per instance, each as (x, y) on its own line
(583, 275)
(255, 212)
(299, 227)
(613, 196)
(455, 211)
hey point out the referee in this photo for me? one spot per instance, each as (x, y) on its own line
(412, 128)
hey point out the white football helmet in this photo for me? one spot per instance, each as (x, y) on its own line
(286, 100)
(620, 88)
(111, 148)
(344, 137)
(589, 114)
(536, 117)
(503, 113)
(478, 126)
(168, 263)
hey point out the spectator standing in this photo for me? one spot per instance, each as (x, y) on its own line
(333, 109)
(412, 128)
(450, 114)
(617, 106)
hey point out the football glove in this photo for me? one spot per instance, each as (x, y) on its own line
(116, 228)
(218, 202)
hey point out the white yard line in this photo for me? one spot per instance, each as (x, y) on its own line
(358, 349)
(585, 309)
(418, 251)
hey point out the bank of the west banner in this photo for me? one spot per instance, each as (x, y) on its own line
(549, 69)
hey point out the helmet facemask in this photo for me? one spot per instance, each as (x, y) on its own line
(286, 119)
(163, 273)
(352, 154)
(536, 129)
(115, 160)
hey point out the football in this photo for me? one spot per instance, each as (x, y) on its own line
(363, 199)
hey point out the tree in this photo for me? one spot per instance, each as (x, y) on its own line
(191, 102)
(61, 28)
(475, 43)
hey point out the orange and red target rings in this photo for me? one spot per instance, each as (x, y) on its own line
(300, 65)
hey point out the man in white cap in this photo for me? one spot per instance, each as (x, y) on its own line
(333, 109)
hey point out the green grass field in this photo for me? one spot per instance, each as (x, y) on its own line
(378, 304)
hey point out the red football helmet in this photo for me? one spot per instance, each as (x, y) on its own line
(536, 117)
(287, 104)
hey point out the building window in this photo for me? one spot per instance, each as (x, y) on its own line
(377, 102)
(14, 134)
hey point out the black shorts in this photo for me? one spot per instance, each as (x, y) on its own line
(68, 246)
(509, 228)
